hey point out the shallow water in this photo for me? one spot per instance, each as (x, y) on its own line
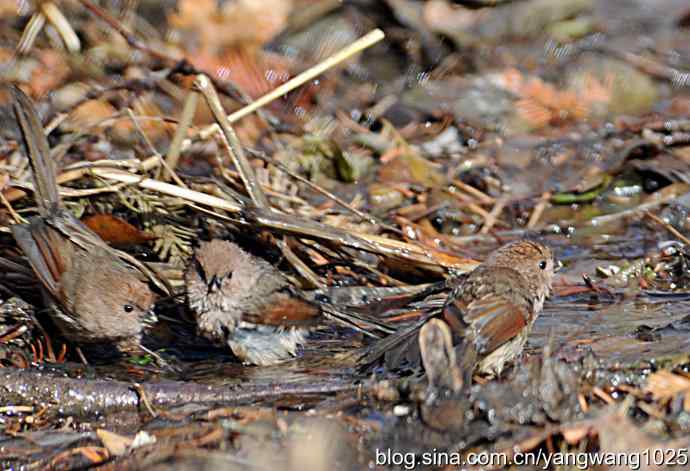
(628, 328)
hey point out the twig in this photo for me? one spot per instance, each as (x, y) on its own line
(299, 265)
(130, 38)
(468, 203)
(203, 84)
(153, 150)
(538, 210)
(603, 395)
(367, 217)
(186, 117)
(291, 224)
(144, 398)
(180, 63)
(98, 396)
(493, 215)
(33, 27)
(81, 169)
(74, 193)
(13, 194)
(17, 218)
(632, 211)
(668, 227)
(167, 189)
(367, 242)
(475, 208)
(60, 23)
(647, 66)
(362, 43)
(47, 10)
(669, 125)
(483, 197)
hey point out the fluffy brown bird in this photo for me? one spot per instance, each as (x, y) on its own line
(490, 311)
(245, 302)
(96, 299)
(493, 310)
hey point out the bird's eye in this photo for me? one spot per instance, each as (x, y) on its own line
(128, 308)
(542, 265)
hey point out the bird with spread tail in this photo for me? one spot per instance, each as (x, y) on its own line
(490, 311)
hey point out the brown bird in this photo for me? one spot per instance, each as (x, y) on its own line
(490, 311)
(245, 302)
(493, 310)
(95, 298)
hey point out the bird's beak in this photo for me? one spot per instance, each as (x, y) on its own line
(557, 266)
(150, 318)
(214, 284)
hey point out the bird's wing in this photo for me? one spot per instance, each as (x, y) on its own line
(284, 310)
(494, 320)
(488, 319)
(42, 247)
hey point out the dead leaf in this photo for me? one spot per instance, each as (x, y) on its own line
(664, 385)
(116, 231)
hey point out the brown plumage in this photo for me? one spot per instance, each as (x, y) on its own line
(245, 302)
(95, 298)
(490, 311)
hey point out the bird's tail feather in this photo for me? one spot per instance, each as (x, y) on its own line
(396, 344)
(360, 322)
(37, 151)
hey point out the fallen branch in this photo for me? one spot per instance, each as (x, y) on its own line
(82, 397)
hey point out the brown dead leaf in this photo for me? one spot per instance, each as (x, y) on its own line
(403, 164)
(94, 112)
(116, 231)
(90, 113)
(664, 385)
(50, 73)
(8, 9)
